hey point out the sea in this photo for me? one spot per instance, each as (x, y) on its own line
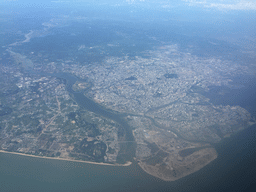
(233, 170)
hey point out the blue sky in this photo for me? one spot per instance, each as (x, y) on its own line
(214, 4)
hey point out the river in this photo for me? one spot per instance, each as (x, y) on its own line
(233, 170)
(127, 149)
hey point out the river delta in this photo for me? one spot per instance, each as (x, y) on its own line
(122, 97)
(146, 110)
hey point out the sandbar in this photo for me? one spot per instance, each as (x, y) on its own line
(128, 163)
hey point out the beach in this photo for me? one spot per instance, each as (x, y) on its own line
(128, 163)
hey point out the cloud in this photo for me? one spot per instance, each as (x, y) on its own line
(222, 4)
(60, 1)
(133, 1)
(237, 6)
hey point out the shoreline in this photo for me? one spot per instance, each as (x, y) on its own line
(128, 163)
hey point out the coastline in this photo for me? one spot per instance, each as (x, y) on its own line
(128, 163)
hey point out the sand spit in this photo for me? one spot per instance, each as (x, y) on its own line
(128, 163)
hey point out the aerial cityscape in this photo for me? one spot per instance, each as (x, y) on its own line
(83, 89)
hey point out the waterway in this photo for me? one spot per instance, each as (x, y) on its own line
(233, 170)
(127, 147)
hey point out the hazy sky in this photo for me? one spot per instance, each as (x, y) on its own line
(216, 4)
(224, 4)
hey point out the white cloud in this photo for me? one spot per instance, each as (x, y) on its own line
(133, 1)
(237, 6)
(60, 1)
(224, 4)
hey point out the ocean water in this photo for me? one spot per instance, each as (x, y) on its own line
(233, 170)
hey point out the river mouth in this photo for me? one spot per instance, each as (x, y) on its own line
(128, 144)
